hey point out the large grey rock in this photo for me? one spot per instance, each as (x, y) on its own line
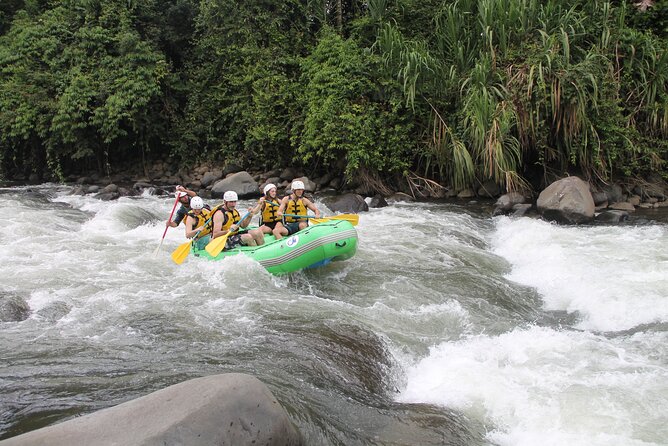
(567, 201)
(242, 183)
(211, 177)
(231, 409)
(378, 201)
(346, 203)
(309, 186)
(613, 192)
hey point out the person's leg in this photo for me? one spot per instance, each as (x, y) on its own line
(279, 231)
(248, 240)
(257, 235)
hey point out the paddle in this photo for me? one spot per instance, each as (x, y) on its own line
(167, 226)
(218, 244)
(180, 253)
(352, 218)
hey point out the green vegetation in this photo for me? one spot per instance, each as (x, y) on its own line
(517, 91)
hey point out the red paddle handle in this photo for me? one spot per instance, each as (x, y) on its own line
(170, 215)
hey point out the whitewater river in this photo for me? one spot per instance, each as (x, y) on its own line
(447, 328)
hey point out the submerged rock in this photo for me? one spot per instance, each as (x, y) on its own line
(229, 409)
(13, 308)
(346, 203)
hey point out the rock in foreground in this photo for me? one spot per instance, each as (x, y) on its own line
(231, 409)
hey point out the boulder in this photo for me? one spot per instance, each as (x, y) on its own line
(229, 409)
(400, 196)
(288, 173)
(13, 308)
(309, 186)
(505, 202)
(378, 201)
(323, 180)
(623, 206)
(521, 209)
(567, 201)
(613, 192)
(141, 185)
(336, 183)
(346, 203)
(242, 183)
(612, 216)
(599, 198)
(231, 168)
(466, 193)
(489, 189)
(211, 177)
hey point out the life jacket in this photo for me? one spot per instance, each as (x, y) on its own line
(295, 207)
(268, 214)
(229, 217)
(201, 219)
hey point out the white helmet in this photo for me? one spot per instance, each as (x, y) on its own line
(297, 185)
(269, 187)
(230, 195)
(181, 195)
(196, 203)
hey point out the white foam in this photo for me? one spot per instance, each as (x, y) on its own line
(540, 386)
(616, 278)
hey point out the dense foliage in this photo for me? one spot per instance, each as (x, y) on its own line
(516, 91)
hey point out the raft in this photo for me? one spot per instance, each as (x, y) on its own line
(314, 246)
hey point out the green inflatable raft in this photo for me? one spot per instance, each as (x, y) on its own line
(314, 246)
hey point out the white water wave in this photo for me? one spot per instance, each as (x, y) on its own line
(616, 278)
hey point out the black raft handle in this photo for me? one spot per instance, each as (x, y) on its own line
(340, 245)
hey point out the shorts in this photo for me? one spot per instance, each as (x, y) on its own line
(201, 242)
(292, 227)
(271, 225)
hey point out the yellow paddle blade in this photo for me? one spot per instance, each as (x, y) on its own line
(216, 245)
(352, 218)
(180, 253)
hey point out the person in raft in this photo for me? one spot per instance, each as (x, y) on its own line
(269, 212)
(185, 195)
(295, 204)
(227, 219)
(198, 226)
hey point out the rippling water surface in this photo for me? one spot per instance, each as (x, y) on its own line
(447, 327)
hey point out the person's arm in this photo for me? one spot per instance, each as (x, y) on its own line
(190, 222)
(281, 208)
(251, 211)
(309, 204)
(188, 191)
(218, 223)
(178, 218)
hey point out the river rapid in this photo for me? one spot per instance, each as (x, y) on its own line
(448, 327)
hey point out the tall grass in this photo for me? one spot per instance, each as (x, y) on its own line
(564, 83)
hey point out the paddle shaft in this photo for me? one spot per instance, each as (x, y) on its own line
(170, 217)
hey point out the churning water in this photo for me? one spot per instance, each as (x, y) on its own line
(447, 327)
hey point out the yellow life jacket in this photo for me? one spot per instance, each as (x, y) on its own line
(295, 207)
(268, 214)
(201, 219)
(229, 217)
